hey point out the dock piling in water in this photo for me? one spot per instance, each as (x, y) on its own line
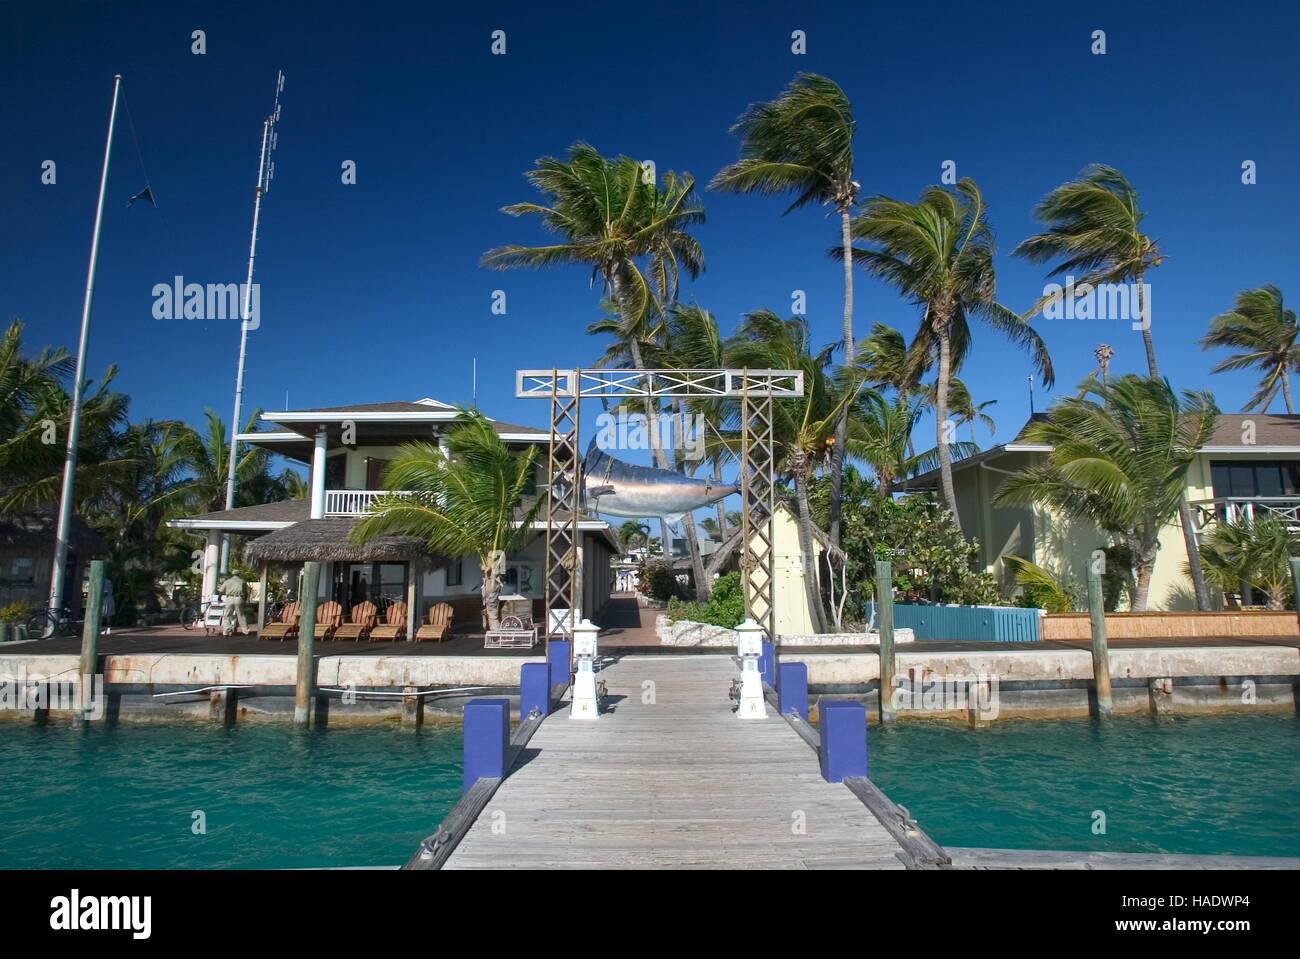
(306, 646)
(885, 607)
(89, 642)
(1100, 651)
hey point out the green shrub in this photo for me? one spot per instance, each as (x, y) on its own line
(726, 605)
(658, 580)
(18, 612)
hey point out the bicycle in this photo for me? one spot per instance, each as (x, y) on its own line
(64, 624)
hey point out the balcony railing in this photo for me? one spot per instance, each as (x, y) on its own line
(1236, 508)
(351, 502)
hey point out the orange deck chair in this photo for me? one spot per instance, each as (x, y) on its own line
(439, 624)
(287, 625)
(328, 618)
(394, 626)
(362, 622)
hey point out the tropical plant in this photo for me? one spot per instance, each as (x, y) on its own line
(631, 534)
(1094, 227)
(1265, 333)
(929, 556)
(1244, 553)
(938, 252)
(725, 606)
(802, 143)
(1042, 588)
(803, 427)
(880, 435)
(461, 502)
(612, 217)
(1119, 459)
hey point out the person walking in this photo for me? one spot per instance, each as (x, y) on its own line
(107, 607)
(232, 593)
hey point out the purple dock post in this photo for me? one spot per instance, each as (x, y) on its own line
(487, 738)
(792, 693)
(534, 689)
(843, 725)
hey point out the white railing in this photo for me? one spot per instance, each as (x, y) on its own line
(351, 502)
(1237, 508)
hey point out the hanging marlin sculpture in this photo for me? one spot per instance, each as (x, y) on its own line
(616, 488)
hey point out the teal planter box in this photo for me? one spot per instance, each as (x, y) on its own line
(997, 624)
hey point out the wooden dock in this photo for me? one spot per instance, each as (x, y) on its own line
(668, 777)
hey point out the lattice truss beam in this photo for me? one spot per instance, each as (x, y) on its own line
(754, 388)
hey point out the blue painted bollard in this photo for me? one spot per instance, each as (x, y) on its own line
(534, 689)
(843, 752)
(767, 664)
(559, 655)
(487, 738)
(792, 693)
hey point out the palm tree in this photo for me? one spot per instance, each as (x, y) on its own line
(880, 435)
(631, 534)
(1266, 334)
(939, 253)
(1246, 553)
(803, 427)
(609, 215)
(35, 408)
(1095, 227)
(206, 455)
(462, 502)
(967, 410)
(1118, 459)
(802, 143)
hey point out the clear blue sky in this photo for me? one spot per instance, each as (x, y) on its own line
(373, 291)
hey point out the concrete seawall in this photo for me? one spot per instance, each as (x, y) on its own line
(1043, 683)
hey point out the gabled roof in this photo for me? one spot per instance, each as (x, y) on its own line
(1267, 432)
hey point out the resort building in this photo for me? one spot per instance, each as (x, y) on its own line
(27, 557)
(1251, 465)
(346, 449)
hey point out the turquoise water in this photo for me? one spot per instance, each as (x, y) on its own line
(1194, 785)
(124, 796)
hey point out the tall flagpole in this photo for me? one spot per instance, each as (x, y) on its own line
(265, 171)
(58, 574)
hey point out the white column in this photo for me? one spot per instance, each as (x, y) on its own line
(211, 560)
(318, 477)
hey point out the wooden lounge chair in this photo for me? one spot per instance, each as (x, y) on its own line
(362, 622)
(328, 618)
(287, 625)
(395, 625)
(439, 624)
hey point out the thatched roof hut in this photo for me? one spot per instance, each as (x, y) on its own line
(327, 541)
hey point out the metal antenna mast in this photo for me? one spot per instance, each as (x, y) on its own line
(265, 173)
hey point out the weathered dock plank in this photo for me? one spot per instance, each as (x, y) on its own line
(668, 777)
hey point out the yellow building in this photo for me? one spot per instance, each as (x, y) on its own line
(1251, 464)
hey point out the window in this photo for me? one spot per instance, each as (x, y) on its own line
(1255, 478)
(21, 572)
(336, 471)
(455, 574)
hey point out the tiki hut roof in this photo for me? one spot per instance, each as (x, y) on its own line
(327, 541)
(35, 530)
